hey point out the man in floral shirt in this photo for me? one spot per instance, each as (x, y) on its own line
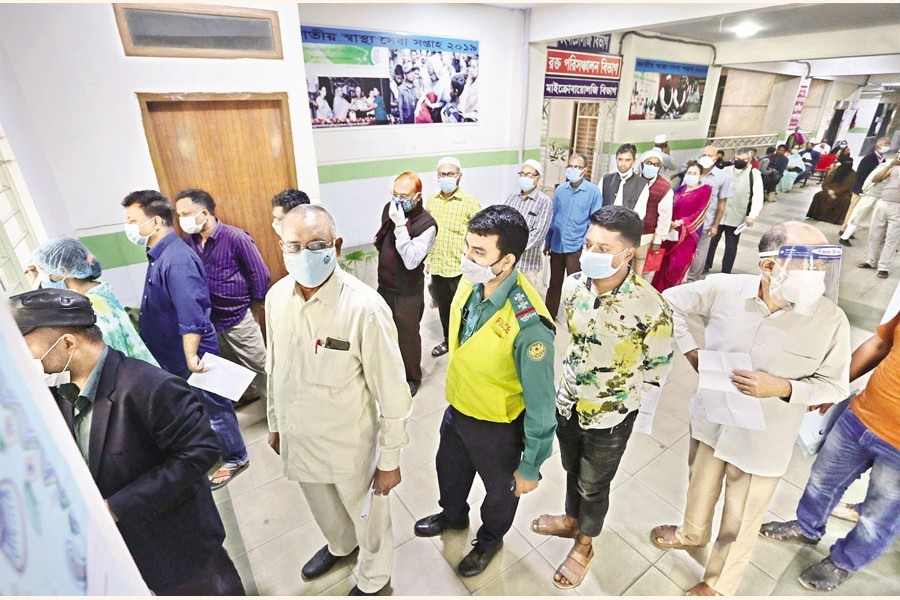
(620, 349)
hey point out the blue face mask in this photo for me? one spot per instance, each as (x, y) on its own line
(310, 268)
(574, 174)
(691, 180)
(448, 184)
(597, 265)
(526, 183)
(49, 284)
(406, 205)
(649, 171)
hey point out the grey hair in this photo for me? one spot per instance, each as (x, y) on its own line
(579, 155)
(773, 239)
(744, 150)
(304, 210)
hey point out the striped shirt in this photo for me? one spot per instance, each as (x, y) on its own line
(537, 208)
(236, 272)
(452, 216)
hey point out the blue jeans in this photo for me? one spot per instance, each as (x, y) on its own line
(224, 423)
(849, 450)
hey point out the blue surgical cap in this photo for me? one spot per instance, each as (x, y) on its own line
(66, 257)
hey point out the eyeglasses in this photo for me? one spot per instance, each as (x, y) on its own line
(313, 246)
(448, 174)
(528, 175)
(405, 197)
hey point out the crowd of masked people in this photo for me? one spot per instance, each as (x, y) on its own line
(340, 363)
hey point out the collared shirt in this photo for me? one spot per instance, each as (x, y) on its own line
(118, 330)
(536, 375)
(236, 272)
(537, 208)
(175, 303)
(334, 408)
(736, 207)
(721, 190)
(84, 406)
(572, 210)
(452, 215)
(621, 342)
(413, 250)
(812, 352)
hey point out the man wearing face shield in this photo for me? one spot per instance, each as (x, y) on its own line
(406, 236)
(146, 440)
(798, 341)
(338, 398)
(620, 348)
(501, 417)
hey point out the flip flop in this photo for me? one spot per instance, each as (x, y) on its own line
(440, 350)
(662, 537)
(552, 525)
(573, 569)
(226, 473)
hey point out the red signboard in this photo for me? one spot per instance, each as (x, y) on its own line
(798, 106)
(582, 64)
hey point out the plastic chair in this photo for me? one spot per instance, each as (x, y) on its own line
(825, 163)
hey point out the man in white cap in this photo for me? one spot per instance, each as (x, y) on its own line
(657, 216)
(668, 163)
(537, 208)
(451, 208)
(720, 183)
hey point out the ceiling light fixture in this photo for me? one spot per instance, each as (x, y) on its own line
(745, 30)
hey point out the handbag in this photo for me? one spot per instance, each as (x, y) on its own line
(653, 262)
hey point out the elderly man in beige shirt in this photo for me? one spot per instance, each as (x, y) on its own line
(800, 350)
(338, 401)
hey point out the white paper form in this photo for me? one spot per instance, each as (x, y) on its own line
(723, 402)
(222, 377)
(643, 423)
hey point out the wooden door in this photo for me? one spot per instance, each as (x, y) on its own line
(237, 147)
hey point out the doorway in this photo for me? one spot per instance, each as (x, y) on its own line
(834, 126)
(237, 147)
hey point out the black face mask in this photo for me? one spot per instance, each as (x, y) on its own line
(740, 165)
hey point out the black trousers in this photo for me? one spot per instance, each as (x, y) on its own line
(220, 578)
(444, 290)
(560, 265)
(591, 458)
(731, 246)
(407, 312)
(493, 451)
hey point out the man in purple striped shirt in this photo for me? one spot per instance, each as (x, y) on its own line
(238, 282)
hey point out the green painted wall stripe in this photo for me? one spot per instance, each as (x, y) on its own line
(114, 250)
(533, 154)
(558, 142)
(395, 166)
(859, 130)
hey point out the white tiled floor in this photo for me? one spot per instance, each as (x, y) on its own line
(271, 533)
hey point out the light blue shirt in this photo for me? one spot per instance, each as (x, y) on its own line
(572, 210)
(720, 182)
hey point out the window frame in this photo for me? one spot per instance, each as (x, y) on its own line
(198, 9)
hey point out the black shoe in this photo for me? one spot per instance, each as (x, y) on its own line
(788, 531)
(440, 350)
(824, 576)
(434, 525)
(321, 562)
(358, 592)
(883, 274)
(864, 265)
(413, 387)
(844, 242)
(478, 559)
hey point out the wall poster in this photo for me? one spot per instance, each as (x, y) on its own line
(362, 78)
(666, 90)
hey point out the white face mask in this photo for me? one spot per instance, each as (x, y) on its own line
(133, 233)
(310, 268)
(476, 273)
(54, 379)
(800, 290)
(598, 265)
(190, 225)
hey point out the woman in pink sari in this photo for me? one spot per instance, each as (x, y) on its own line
(688, 210)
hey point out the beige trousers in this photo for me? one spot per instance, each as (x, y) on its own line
(747, 498)
(536, 278)
(853, 200)
(336, 508)
(243, 344)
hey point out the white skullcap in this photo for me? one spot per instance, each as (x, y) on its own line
(535, 165)
(449, 160)
(706, 162)
(652, 152)
(660, 139)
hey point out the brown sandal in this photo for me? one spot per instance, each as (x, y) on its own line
(552, 525)
(573, 569)
(666, 537)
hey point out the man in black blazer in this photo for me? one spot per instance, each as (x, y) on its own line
(146, 440)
